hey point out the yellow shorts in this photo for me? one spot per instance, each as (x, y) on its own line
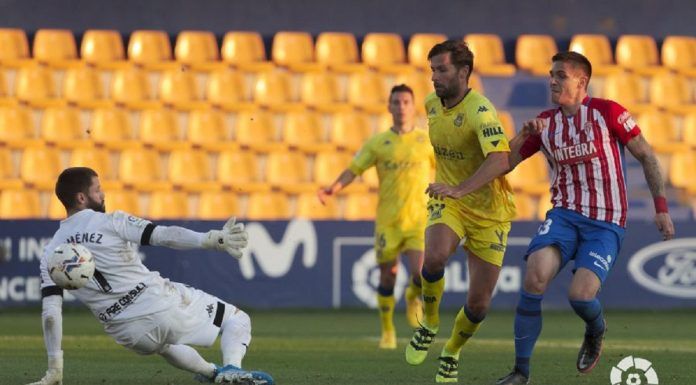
(391, 241)
(486, 239)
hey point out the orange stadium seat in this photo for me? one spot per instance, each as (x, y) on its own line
(360, 206)
(544, 204)
(349, 131)
(329, 165)
(198, 49)
(294, 50)
(245, 50)
(20, 204)
(16, 127)
(679, 54)
(207, 130)
(34, 85)
(309, 207)
(489, 54)
(660, 130)
(124, 200)
(367, 92)
(476, 84)
(142, 169)
(338, 51)
(627, 90)
(525, 206)
(8, 172)
(83, 87)
(597, 49)
(151, 49)
(288, 172)
(103, 49)
(39, 167)
(14, 48)
(179, 90)
(420, 45)
(320, 91)
(256, 130)
(62, 127)
(55, 47)
(159, 128)
(273, 90)
(672, 92)
(111, 128)
(268, 206)
(689, 130)
(165, 204)
(638, 53)
(531, 176)
(227, 90)
(681, 171)
(131, 88)
(239, 171)
(303, 131)
(191, 171)
(384, 52)
(533, 53)
(508, 124)
(218, 205)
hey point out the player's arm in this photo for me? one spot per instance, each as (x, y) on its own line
(343, 180)
(495, 165)
(526, 142)
(364, 159)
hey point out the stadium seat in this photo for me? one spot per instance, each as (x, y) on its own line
(191, 171)
(626, 89)
(227, 90)
(476, 84)
(268, 206)
(273, 90)
(679, 54)
(597, 49)
(660, 130)
(531, 176)
(16, 127)
(385, 52)
(349, 131)
(681, 171)
(218, 205)
(370, 178)
(56, 210)
(142, 169)
(103, 49)
(39, 167)
(20, 204)
(672, 92)
(533, 53)
(525, 206)
(124, 200)
(329, 165)
(159, 128)
(207, 130)
(508, 124)
(366, 91)
(14, 48)
(166, 204)
(239, 171)
(131, 88)
(245, 50)
(83, 87)
(309, 207)
(56, 48)
(97, 159)
(303, 131)
(35, 86)
(198, 49)
(421, 85)
(179, 90)
(489, 54)
(288, 171)
(544, 204)
(689, 130)
(360, 207)
(338, 51)
(320, 91)
(256, 130)
(111, 128)
(420, 45)
(151, 49)
(62, 127)
(295, 51)
(8, 172)
(638, 53)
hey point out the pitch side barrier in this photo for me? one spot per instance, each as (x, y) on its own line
(331, 264)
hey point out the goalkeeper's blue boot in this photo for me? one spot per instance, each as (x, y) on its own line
(231, 374)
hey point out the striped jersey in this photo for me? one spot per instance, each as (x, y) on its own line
(586, 156)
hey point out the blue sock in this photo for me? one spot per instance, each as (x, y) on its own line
(385, 291)
(527, 329)
(591, 313)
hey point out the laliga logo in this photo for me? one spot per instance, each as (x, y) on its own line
(275, 259)
(638, 371)
(365, 275)
(676, 276)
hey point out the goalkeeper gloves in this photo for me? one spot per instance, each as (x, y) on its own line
(231, 239)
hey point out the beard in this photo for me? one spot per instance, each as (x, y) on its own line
(96, 206)
(447, 92)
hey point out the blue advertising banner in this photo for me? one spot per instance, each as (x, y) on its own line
(328, 264)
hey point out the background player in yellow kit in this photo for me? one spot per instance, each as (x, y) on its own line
(466, 134)
(404, 160)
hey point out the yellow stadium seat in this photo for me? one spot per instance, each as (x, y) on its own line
(370, 178)
(309, 207)
(288, 172)
(681, 171)
(660, 130)
(385, 52)
(218, 205)
(14, 48)
(476, 84)
(55, 47)
(97, 159)
(533, 53)
(672, 92)
(329, 165)
(178, 89)
(268, 206)
(16, 127)
(349, 131)
(131, 88)
(320, 91)
(142, 169)
(294, 50)
(227, 90)
(83, 87)
(39, 167)
(489, 55)
(689, 130)
(303, 131)
(8, 173)
(420, 45)
(124, 200)
(61, 126)
(360, 206)
(338, 51)
(544, 205)
(679, 54)
(531, 176)
(245, 50)
(111, 128)
(273, 90)
(638, 53)
(56, 210)
(421, 85)
(207, 130)
(151, 49)
(191, 171)
(627, 90)
(508, 124)
(103, 49)
(526, 207)
(165, 204)
(20, 204)
(597, 49)
(34, 85)
(198, 49)
(256, 130)
(366, 91)
(159, 128)
(239, 171)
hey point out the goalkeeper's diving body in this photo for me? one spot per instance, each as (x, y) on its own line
(137, 307)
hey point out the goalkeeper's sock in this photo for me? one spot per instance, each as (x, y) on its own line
(187, 358)
(385, 304)
(433, 287)
(527, 329)
(465, 325)
(236, 336)
(591, 313)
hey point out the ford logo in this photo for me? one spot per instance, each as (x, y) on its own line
(673, 267)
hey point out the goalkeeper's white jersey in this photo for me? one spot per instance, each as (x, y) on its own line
(122, 287)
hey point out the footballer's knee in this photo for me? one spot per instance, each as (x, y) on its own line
(535, 282)
(387, 275)
(435, 259)
(238, 322)
(477, 306)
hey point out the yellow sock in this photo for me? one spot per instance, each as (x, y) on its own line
(412, 291)
(462, 330)
(385, 303)
(432, 295)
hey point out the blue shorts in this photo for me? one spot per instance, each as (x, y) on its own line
(593, 244)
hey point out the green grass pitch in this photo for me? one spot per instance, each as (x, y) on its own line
(340, 347)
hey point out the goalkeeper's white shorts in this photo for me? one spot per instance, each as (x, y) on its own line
(194, 320)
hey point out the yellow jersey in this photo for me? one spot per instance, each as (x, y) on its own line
(403, 166)
(462, 137)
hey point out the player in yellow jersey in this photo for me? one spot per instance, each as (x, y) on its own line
(466, 135)
(404, 160)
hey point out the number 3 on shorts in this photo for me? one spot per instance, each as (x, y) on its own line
(545, 227)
